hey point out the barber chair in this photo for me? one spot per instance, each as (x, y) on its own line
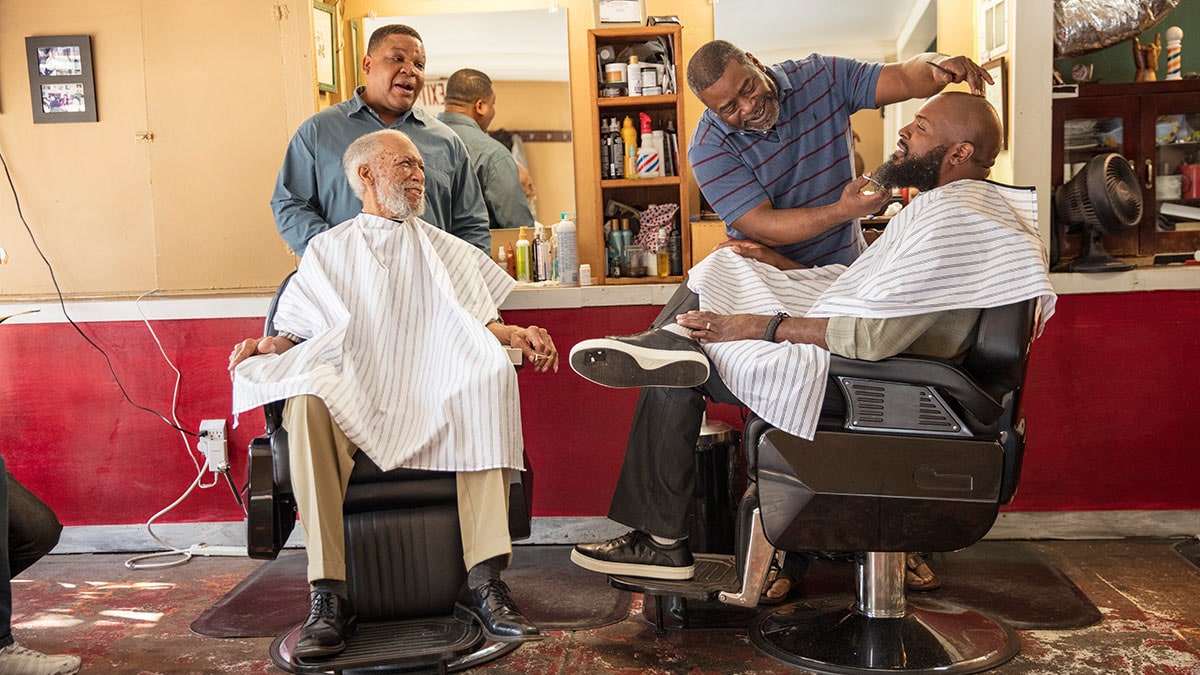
(919, 457)
(404, 553)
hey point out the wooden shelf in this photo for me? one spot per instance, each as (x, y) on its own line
(614, 183)
(660, 101)
(633, 281)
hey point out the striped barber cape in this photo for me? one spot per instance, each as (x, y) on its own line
(394, 318)
(968, 244)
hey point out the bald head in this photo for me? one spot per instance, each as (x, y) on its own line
(971, 119)
(955, 135)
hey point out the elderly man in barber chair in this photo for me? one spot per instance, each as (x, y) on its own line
(390, 344)
(963, 244)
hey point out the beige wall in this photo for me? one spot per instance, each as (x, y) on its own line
(220, 92)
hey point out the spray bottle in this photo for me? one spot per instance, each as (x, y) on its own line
(568, 252)
(649, 162)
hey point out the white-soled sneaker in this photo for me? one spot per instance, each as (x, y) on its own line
(655, 358)
(18, 660)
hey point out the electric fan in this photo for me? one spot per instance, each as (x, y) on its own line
(1104, 198)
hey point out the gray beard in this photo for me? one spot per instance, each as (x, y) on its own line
(393, 198)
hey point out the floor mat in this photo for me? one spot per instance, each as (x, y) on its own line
(1010, 580)
(551, 591)
(1190, 550)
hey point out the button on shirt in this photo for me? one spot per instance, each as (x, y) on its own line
(312, 193)
(496, 170)
(804, 161)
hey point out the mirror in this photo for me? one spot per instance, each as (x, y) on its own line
(524, 52)
(868, 30)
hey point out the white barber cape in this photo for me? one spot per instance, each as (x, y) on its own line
(394, 318)
(968, 244)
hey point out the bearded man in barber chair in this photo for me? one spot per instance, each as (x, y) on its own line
(963, 244)
(387, 345)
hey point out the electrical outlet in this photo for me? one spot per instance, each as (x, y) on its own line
(213, 444)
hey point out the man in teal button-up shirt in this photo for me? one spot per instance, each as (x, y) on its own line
(312, 194)
(470, 108)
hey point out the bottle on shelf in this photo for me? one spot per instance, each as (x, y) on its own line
(649, 162)
(568, 252)
(605, 151)
(541, 253)
(629, 137)
(511, 262)
(663, 258)
(633, 75)
(502, 257)
(675, 251)
(523, 255)
(616, 168)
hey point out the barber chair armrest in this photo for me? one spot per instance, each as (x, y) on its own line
(924, 371)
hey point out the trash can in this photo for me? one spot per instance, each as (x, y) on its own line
(720, 482)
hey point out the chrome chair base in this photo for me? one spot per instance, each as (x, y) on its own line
(828, 635)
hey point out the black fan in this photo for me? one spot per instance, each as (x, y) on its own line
(1104, 198)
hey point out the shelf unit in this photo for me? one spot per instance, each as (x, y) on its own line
(640, 192)
(1126, 117)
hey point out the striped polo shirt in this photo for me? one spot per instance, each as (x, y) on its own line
(804, 161)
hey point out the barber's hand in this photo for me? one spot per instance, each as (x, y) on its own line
(712, 327)
(537, 346)
(748, 248)
(251, 346)
(860, 204)
(960, 69)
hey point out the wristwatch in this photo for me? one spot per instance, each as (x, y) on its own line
(773, 325)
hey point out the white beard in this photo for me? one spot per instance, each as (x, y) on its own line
(395, 199)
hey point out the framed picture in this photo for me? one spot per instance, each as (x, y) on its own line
(997, 94)
(356, 50)
(620, 12)
(325, 45)
(62, 84)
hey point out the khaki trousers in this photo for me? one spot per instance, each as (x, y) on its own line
(322, 459)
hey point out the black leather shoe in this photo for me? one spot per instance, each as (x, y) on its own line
(655, 358)
(324, 632)
(636, 555)
(491, 607)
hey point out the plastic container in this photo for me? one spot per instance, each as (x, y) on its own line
(629, 138)
(524, 255)
(649, 160)
(568, 252)
(633, 74)
(585, 275)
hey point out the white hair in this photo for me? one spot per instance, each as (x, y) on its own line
(362, 152)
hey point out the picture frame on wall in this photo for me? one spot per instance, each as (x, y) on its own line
(325, 45)
(62, 85)
(997, 94)
(615, 13)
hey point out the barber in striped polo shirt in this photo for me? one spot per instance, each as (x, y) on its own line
(772, 152)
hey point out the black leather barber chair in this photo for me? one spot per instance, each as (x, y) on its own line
(404, 562)
(920, 458)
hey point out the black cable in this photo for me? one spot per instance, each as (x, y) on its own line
(62, 303)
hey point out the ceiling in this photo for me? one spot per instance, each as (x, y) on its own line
(776, 30)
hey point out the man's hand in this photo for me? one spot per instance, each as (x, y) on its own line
(862, 204)
(961, 69)
(251, 346)
(537, 346)
(748, 248)
(712, 327)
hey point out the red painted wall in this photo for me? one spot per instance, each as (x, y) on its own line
(1109, 402)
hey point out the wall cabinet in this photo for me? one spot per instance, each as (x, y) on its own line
(1156, 126)
(611, 100)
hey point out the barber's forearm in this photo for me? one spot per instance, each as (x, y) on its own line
(778, 227)
(908, 79)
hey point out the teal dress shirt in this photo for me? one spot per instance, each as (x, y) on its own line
(312, 193)
(496, 170)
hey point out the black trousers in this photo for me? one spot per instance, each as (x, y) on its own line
(658, 476)
(28, 530)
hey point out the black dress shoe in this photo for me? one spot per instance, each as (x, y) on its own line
(490, 606)
(636, 554)
(655, 358)
(324, 632)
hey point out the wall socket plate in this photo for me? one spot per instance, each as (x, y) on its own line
(213, 445)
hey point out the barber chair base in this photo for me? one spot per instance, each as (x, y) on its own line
(827, 635)
(691, 603)
(437, 645)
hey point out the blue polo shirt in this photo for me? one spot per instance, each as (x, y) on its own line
(804, 161)
(312, 193)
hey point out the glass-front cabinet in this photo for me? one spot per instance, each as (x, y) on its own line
(1154, 125)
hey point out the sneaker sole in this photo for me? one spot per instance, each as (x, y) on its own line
(615, 364)
(633, 569)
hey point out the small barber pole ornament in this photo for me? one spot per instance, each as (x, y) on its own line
(1174, 52)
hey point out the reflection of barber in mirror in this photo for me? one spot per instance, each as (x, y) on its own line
(312, 195)
(421, 383)
(529, 188)
(470, 108)
(1145, 59)
(771, 153)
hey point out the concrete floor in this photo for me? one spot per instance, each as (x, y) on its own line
(126, 621)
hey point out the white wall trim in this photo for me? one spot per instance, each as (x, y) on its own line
(1019, 525)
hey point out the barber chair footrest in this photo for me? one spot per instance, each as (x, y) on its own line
(691, 603)
(438, 644)
(827, 635)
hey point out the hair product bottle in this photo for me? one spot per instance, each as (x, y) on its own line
(524, 256)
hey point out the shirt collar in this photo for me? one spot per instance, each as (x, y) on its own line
(458, 118)
(358, 105)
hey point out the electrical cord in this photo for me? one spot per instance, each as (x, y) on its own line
(185, 555)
